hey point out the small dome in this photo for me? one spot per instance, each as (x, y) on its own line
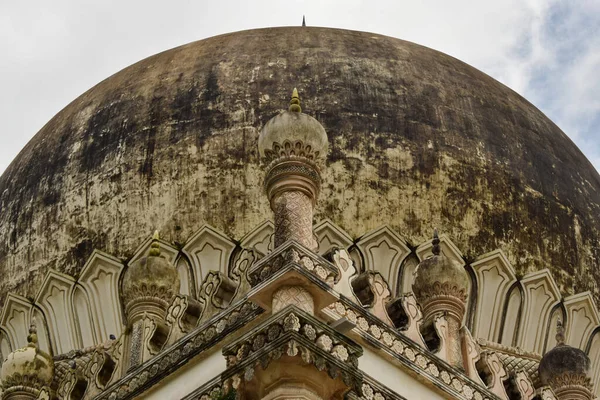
(29, 366)
(293, 133)
(563, 359)
(439, 270)
(151, 276)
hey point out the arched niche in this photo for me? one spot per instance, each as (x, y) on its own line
(330, 236)
(593, 350)
(208, 250)
(42, 330)
(15, 319)
(185, 276)
(259, 239)
(511, 313)
(540, 296)
(85, 324)
(581, 319)
(558, 312)
(99, 282)
(55, 300)
(5, 348)
(383, 251)
(495, 277)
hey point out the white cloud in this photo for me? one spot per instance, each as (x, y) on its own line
(547, 50)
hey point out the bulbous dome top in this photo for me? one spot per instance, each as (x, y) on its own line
(440, 270)
(416, 138)
(293, 132)
(151, 276)
(563, 359)
(28, 366)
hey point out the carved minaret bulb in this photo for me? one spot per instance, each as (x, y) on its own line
(293, 144)
(441, 288)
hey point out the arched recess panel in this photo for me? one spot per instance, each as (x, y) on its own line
(100, 281)
(495, 277)
(5, 348)
(582, 318)
(42, 330)
(383, 251)
(55, 300)
(15, 319)
(408, 271)
(185, 278)
(331, 236)
(260, 239)
(540, 295)
(557, 312)
(511, 316)
(208, 250)
(84, 323)
(450, 250)
(594, 354)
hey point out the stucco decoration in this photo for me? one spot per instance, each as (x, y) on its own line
(540, 295)
(55, 298)
(344, 263)
(14, 319)
(27, 372)
(566, 369)
(511, 317)
(292, 145)
(581, 319)
(149, 284)
(100, 280)
(330, 237)
(260, 239)
(208, 250)
(494, 374)
(383, 251)
(594, 355)
(495, 277)
(441, 287)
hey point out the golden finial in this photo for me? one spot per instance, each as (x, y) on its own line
(155, 246)
(295, 102)
(560, 333)
(32, 338)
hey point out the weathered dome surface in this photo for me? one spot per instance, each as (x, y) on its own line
(417, 139)
(563, 359)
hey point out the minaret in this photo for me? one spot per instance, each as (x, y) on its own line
(566, 370)
(441, 288)
(27, 373)
(293, 145)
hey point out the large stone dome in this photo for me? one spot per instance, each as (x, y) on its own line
(417, 140)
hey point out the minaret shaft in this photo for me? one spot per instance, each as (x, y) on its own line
(293, 218)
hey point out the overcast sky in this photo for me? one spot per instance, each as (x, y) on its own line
(53, 51)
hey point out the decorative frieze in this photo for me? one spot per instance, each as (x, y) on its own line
(292, 252)
(414, 358)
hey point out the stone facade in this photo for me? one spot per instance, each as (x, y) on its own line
(296, 310)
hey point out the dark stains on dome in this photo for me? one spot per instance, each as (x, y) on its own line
(417, 139)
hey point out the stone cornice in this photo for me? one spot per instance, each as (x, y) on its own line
(202, 338)
(292, 252)
(421, 362)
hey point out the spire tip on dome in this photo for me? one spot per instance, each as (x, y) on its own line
(560, 332)
(295, 102)
(32, 338)
(155, 246)
(303, 21)
(436, 243)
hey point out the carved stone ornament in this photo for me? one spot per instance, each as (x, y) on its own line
(293, 295)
